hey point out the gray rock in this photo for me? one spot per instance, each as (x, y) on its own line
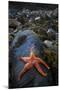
(13, 23)
(20, 47)
(49, 13)
(55, 13)
(11, 30)
(37, 18)
(57, 36)
(51, 34)
(48, 43)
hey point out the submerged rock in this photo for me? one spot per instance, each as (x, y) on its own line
(48, 43)
(13, 23)
(55, 13)
(21, 47)
(51, 34)
(37, 18)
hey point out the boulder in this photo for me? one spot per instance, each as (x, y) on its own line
(21, 47)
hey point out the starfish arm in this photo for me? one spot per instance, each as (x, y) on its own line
(43, 62)
(39, 69)
(25, 59)
(25, 69)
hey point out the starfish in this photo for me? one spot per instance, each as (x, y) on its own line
(31, 61)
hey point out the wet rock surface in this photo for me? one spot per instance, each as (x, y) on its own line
(51, 34)
(31, 78)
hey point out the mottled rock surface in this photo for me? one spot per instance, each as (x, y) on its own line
(20, 47)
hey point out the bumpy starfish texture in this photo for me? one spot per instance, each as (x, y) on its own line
(31, 61)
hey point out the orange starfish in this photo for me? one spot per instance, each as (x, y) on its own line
(31, 61)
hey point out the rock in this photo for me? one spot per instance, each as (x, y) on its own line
(11, 37)
(55, 13)
(30, 20)
(22, 19)
(51, 34)
(21, 47)
(52, 45)
(23, 15)
(12, 12)
(57, 36)
(48, 43)
(27, 11)
(11, 30)
(13, 23)
(37, 18)
(19, 13)
(49, 13)
(42, 33)
(55, 46)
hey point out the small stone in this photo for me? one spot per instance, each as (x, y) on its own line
(48, 43)
(55, 13)
(37, 18)
(13, 23)
(11, 30)
(51, 34)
